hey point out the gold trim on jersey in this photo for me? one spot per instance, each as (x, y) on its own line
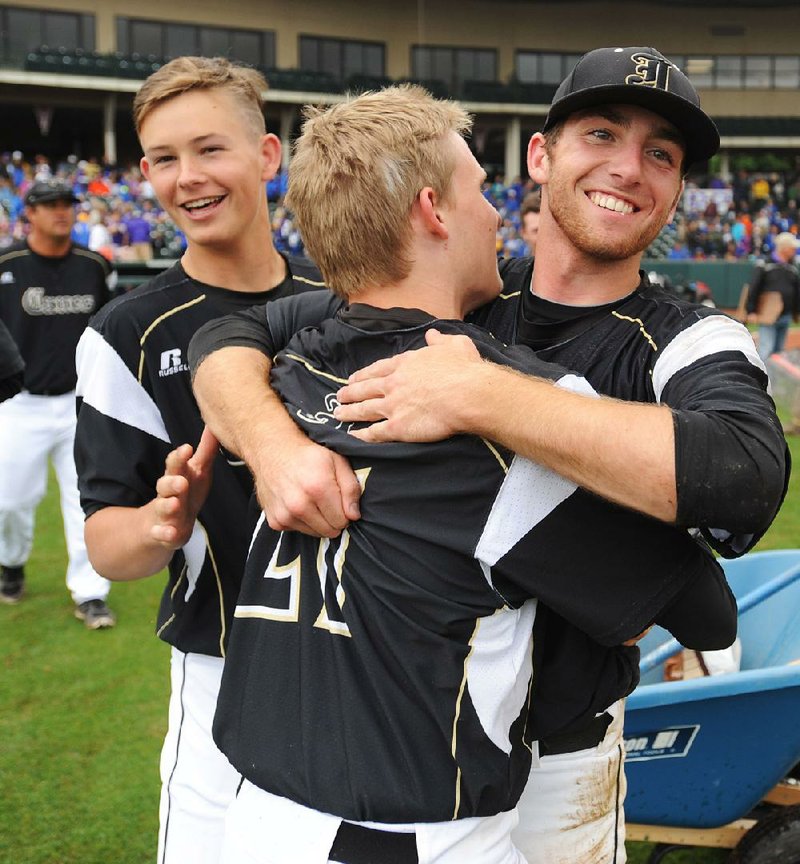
(166, 624)
(8, 256)
(155, 324)
(314, 369)
(308, 281)
(510, 296)
(457, 715)
(212, 558)
(638, 321)
(496, 455)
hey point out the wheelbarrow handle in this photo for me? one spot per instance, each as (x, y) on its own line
(753, 598)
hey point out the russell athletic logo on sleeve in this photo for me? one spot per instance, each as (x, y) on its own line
(172, 363)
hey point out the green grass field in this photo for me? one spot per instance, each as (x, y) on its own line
(83, 713)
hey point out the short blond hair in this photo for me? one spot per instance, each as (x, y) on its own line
(356, 172)
(184, 74)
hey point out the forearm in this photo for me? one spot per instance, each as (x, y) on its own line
(624, 452)
(232, 389)
(120, 544)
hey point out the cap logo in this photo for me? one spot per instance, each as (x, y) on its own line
(650, 72)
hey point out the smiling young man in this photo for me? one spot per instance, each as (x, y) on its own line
(707, 452)
(208, 156)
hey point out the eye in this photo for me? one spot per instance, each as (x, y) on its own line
(600, 134)
(162, 160)
(663, 155)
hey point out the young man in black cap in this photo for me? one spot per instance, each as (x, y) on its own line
(708, 451)
(50, 289)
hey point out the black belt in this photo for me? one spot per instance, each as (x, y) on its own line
(355, 844)
(569, 742)
(51, 391)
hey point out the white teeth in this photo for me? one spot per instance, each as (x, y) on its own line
(202, 202)
(609, 202)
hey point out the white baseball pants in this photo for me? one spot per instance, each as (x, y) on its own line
(571, 811)
(33, 430)
(198, 783)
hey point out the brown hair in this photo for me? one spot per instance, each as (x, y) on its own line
(531, 203)
(202, 73)
(356, 172)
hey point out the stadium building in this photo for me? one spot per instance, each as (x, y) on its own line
(69, 68)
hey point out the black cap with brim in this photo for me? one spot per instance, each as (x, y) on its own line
(643, 77)
(44, 191)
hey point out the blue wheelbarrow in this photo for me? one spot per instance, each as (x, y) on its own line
(708, 759)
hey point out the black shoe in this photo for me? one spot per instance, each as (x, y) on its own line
(12, 584)
(95, 614)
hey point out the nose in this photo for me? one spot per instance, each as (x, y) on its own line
(627, 162)
(190, 172)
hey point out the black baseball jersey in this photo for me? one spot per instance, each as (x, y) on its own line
(779, 277)
(653, 347)
(46, 303)
(650, 346)
(388, 674)
(135, 404)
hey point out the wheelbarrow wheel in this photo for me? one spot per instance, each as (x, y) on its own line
(775, 839)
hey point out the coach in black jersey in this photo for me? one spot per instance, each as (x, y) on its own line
(379, 688)
(715, 458)
(49, 288)
(208, 156)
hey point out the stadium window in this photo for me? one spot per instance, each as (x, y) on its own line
(787, 72)
(453, 66)
(171, 39)
(539, 67)
(757, 73)
(180, 40)
(728, 72)
(24, 30)
(700, 71)
(342, 58)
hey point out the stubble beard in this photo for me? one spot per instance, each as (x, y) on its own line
(585, 237)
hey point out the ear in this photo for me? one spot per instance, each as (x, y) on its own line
(144, 165)
(270, 147)
(538, 160)
(429, 211)
(675, 202)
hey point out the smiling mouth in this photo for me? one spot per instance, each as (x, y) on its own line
(609, 202)
(202, 204)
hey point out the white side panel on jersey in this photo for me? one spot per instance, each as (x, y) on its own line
(708, 336)
(528, 495)
(577, 385)
(499, 670)
(194, 551)
(102, 376)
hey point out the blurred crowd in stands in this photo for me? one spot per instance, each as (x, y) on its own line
(119, 216)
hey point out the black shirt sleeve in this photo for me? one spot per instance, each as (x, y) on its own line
(265, 328)
(11, 365)
(704, 615)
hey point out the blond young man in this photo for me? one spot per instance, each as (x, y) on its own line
(208, 156)
(380, 688)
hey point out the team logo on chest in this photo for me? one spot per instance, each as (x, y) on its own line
(172, 363)
(35, 301)
(7, 278)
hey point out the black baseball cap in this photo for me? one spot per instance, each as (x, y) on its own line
(638, 76)
(43, 191)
